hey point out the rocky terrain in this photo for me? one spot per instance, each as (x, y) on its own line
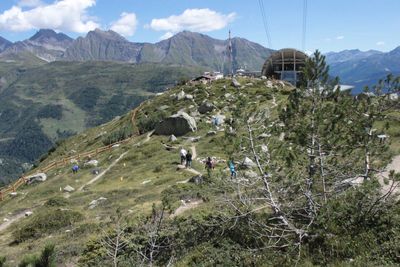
(141, 177)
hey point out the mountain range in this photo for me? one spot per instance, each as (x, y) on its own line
(354, 67)
(185, 48)
(363, 68)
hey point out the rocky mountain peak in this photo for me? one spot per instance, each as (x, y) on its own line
(47, 35)
(4, 43)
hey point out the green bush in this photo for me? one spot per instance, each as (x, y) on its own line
(118, 135)
(56, 202)
(45, 222)
(149, 122)
(2, 261)
(46, 258)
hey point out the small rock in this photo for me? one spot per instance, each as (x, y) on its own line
(206, 107)
(146, 182)
(248, 163)
(116, 145)
(6, 220)
(263, 135)
(96, 202)
(172, 138)
(235, 83)
(95, 171)
(228, 95)
(194, 139)
(163, 107)
(92, 163)
(181, 95)
(73, 161)
(13, 194)
(189, 97)
(28, 213)
(69, 189)
(198, 179)
(264, 148)
(211, 133)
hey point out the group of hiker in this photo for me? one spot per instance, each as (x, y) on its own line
(187, 157)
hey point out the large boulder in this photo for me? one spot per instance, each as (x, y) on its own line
(36, 178)
(178, 125)
(206, 107)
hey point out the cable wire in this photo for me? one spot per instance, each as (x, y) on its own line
(265, 22)
(303, 42)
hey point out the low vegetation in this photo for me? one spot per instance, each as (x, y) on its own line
(313, 194)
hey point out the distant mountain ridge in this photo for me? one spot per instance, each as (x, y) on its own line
(363, 68)
(185, 48)
(352, 54)
(4, 44)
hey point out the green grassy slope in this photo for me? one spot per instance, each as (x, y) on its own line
(147, 174)
(52, 101)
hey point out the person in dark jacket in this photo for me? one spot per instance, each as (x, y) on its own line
(189, 160)
(209, 166)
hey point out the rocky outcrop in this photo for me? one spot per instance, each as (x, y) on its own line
(36, 178)
(178, 125)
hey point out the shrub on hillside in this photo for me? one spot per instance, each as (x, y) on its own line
(46, 258)
(149, 122)
(118, 135)
(46, 222)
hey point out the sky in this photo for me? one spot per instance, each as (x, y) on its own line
(331, 25)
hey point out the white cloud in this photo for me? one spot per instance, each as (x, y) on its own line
(380, 43)
(167, 35)
(126, 25)
(340, 37)
(200, 20)
(68, 15)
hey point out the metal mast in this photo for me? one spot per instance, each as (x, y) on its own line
(230, 53)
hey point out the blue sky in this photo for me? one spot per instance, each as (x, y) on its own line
(332, 25)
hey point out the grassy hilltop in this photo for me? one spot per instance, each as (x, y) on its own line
(143, 184)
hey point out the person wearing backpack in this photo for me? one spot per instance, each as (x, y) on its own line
(183, 153)
(189, 160)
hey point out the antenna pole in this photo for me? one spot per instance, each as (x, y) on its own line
(230, 53)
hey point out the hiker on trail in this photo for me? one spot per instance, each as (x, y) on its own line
(183, 153)
(75, 168)
(189, 160)
(209, 166)
(231, 165)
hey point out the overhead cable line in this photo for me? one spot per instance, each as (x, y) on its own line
(265, 22)
(303, 42)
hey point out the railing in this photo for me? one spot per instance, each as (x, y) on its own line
(4, 192)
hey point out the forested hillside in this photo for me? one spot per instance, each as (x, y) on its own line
(43, 103)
